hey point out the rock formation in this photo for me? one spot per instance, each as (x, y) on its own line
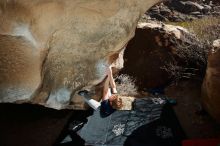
(211, 83)
(183, 10)
(159, 51)
(51, 49)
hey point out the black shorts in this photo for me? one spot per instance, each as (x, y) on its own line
(106, 108)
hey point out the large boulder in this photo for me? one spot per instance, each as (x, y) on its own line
(211, 83)
(158, 52)
(51, 49)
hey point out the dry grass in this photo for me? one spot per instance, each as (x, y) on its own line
(126, 86)
(206, 29)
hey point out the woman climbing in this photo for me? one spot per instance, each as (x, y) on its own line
(110, 100)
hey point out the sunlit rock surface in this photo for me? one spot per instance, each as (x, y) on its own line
(51, 49)
(211, 83)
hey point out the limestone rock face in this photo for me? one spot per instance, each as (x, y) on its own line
(19, 68)
(51, 49)
(211, 83)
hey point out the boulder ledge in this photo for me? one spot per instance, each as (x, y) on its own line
(51, 49)
(211, 83)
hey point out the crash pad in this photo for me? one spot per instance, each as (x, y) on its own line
(116, 128)
(151, 122)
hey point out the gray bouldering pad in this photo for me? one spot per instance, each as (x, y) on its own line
(114, 129)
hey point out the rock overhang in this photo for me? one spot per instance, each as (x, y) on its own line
(68, 40)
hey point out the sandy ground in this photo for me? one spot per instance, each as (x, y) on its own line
(194, 120)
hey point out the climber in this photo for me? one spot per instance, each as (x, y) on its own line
(110, 101)
(109, 80)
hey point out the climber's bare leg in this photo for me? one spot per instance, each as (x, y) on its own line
(111, 80)
(105, 93)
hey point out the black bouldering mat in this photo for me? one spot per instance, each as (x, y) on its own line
(116, 129)
(166, 131)
(152, 122)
